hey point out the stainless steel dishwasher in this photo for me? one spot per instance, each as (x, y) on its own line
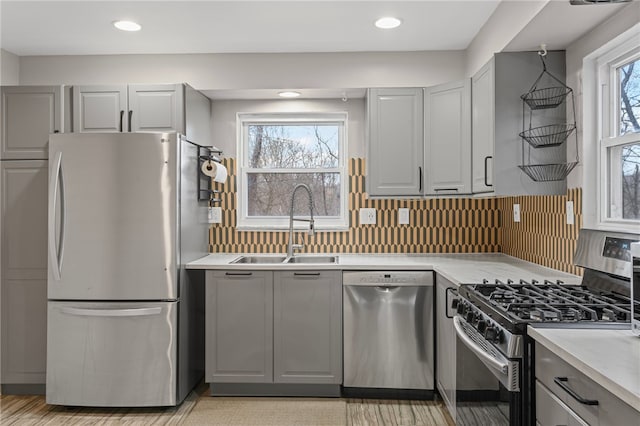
(388, 329)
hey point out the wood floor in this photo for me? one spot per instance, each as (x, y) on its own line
(32, 410)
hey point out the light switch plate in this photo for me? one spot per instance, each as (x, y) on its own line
(367, 216)
(215, 215)
(403, 216)
(570, 214)
(516, 212)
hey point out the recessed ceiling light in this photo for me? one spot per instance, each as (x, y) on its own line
(127, 25)
(289, 94)
(388, 22)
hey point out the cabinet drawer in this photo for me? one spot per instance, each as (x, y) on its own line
(551, 411)
(552, 371)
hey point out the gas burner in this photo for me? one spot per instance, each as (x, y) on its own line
(548, 301)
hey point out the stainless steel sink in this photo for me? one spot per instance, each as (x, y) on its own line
(259, 259)
(313, 259)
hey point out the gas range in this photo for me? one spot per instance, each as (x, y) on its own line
(492, 317)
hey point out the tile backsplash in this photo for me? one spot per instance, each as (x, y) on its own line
(451, 225)
(440, 225)
(542, 236)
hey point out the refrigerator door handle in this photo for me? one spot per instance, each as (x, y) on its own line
(138, 312)
(56, 248)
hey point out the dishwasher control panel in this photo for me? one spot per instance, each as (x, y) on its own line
(390, 278)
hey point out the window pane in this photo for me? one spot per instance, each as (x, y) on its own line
(270, 194)
(629, 76)
(631, 181)
(291, 146)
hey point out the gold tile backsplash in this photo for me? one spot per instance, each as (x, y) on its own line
(441, 225)
(542, 236)
(451, 225)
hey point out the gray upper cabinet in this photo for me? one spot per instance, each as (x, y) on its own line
(239, 327)
(129, 108)
(447, 138)
(395, 138)
(100, 109)
(29, 115)
(482, 117)
(497, 120)
(23, 235)
(307, 327)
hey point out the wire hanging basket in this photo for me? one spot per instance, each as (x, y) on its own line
(547, 136)
(549, 97)
(548, 172)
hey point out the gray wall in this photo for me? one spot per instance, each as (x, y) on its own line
(250, 71)
(9, 68)
(223, 118)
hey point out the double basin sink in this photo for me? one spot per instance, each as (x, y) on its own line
(254, 260)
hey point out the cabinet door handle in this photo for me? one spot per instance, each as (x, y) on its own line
(121, 120)
(486, 170)
(561, 381)
(306, 274)
(238, 274)
(129, 123)
(445, 189)
(419, 178)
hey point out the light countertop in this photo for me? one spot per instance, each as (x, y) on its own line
(457, 268)
(609, 357)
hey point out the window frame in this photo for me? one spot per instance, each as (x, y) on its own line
(244, 222)
(601, 131)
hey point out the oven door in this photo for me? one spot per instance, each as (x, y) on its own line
(487, 383)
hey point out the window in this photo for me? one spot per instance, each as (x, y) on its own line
(277, 152)
(620, 139)
(611, 100)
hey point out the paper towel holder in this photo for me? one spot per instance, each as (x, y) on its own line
(205, 193)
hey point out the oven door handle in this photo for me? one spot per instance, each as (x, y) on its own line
(476, 349)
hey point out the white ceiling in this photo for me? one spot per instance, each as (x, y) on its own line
(84, 27)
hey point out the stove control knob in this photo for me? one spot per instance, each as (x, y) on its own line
(482, 326)
(461, 309)
(470, 317)
(491, 334)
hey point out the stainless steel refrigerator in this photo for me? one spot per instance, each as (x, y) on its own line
(125, 318)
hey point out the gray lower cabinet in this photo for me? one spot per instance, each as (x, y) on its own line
(307, 327)
(23, 237)
(567, 396)
(445, 344)
(239, 327)
(282, 327)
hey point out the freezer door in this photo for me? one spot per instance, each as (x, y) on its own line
(111, 354)
(112, 216)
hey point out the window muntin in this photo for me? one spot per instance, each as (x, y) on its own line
(279, 151)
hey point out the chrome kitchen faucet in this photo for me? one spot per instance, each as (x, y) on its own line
(291, 246)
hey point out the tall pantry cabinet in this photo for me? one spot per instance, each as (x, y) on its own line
(28, 116)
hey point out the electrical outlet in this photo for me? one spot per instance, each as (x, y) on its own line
(403, 216)
(214, 215)
(570, 214)
(516, 212)
(367, 216)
